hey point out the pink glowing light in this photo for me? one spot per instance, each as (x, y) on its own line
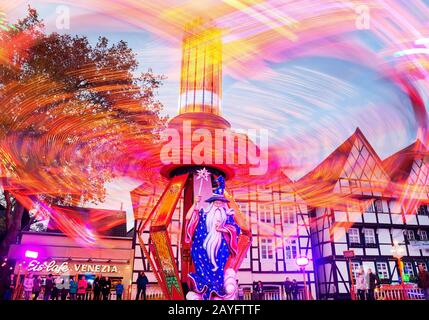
(31, 254)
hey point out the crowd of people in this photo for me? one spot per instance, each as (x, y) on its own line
(79, 288)
(367, 283)
(63, 288)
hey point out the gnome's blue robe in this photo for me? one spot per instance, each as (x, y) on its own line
(205, 279)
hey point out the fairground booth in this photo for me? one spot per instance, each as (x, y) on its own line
(108, 254)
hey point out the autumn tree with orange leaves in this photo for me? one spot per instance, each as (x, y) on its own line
(73, 116)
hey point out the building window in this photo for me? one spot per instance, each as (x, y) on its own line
(265, 190)
(354, 235)
(394, 206)
(290, 249)
(267, 252)
(423, 210)
(423, 235)
(409, 234)
(408, 269)
(244, 207)
(378, 204)
(370, 207)
(369, 235)
(288, 214)
(265, 213)
(344, 185)
(353, 183)
(356, 266)
(382, 270)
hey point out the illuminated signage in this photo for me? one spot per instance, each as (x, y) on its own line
(65, 267)
(31, 254)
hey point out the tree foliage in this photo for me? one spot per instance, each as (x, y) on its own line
(72, 114)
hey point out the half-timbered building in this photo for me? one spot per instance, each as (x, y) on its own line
(352, 201)
(359, 202)
(280, 233)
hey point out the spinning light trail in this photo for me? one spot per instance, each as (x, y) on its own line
(280, 60)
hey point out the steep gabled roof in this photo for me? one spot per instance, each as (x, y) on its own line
(399, 164)
(319, 183)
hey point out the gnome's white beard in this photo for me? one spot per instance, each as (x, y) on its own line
(213, 239)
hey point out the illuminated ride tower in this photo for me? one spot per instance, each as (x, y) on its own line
(199, 108)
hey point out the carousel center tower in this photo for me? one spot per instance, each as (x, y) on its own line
(200, 95)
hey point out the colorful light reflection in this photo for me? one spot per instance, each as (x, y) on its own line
(260, 39)
(31, 254)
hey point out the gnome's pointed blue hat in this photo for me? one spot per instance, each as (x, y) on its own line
(219, 191)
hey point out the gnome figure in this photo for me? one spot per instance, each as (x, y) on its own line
(214, 236)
